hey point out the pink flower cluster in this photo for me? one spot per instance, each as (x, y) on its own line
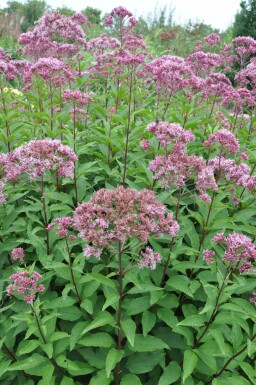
(170, 73)
(54, 35)
(121, 14)
(220, 168)
(176, 166)
(150, 259)
(50, 68)
(64, 225)
(119, 214)
(170, 133)
(18, 254)
(25, 285)
(36, 158)
(226, 139)
(238, 250)
(78, 97)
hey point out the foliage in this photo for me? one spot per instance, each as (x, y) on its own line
(245, 19)
(127, 209)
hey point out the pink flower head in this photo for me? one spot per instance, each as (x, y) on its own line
(116, 215)
(25, 284)
(64, 225)
(208, 256)
(37, 157)
(18, 254)
(226, 139)
(212, 39)
(237, 248)
(145, 144)
(150, 259)
(169, 133)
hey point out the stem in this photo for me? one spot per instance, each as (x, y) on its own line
(120, 271)
(127, 129)
(72, 273)
(51, 105)
(53, 361)
(215, 309)
(217, 375)
(45, 218)
(166, 264)
(74, 138)
(13, 358)
(119, 310)
(8, 131)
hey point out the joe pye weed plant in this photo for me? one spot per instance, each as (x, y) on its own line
(127, 201)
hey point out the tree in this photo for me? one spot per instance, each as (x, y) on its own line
(93, 15)
(245, 20)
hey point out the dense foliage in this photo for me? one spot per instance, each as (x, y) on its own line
(127, 227)
(245, 20)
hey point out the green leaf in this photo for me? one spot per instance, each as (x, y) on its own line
(4, 367)
(67, 381)
(147, 344)
(76, 333)
(171, 374)
(148, 321)
(129, 379)
(167, 315)
(27, 346)
(137, 305)
(29, 363)
(129, 328)
(179, 282)
(111, 299)
(189, 364)
(101, 319)
(102, 340)
(114, 356)
(48, 349)
(138, 363)
(219, 339)
(101, 378)
(193, 320)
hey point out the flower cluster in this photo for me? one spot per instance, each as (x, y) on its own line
(239, 251)
(150, 259)
(36, 158)
(64, 224)
(119, 214)
(25, 285)
(50, 68)
(121, 14)
(170, 133)
(226, 139)
(18, 254)
(54, 35)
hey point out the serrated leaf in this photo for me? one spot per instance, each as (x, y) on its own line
(179, 282)
(171, 374)
(129, 328)
(193, 320)
(148, 344)
(114, 356)
(27, 346)
(101, 319)
(189, 364)
(111, 299)
(129, 379)
(102, 340)
(148, 321)
(67, 381)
